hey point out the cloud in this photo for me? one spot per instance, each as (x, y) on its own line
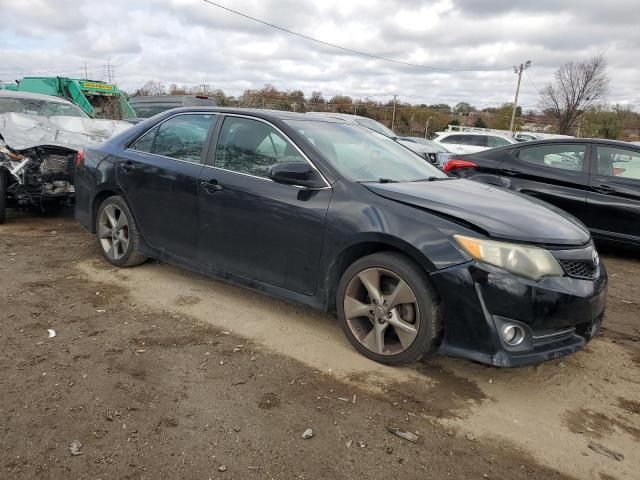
(191, 42)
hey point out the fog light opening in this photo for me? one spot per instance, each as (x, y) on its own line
(512, 335)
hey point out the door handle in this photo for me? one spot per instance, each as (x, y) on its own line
(511, 171)
(604, 189)
(127, 166)
(210, 187)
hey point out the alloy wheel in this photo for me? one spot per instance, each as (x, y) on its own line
(381, 311)
(113, 232)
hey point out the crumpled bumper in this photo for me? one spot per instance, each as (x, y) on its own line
(559, 315)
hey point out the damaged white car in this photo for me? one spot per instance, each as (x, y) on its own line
(40, 137)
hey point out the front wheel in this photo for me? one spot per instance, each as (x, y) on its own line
(388, 309)
(117, 233)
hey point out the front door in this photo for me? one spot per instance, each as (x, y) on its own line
(252, 226)
(556, 173)
(614, 193)
(159, 177)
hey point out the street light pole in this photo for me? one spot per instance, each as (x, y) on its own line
(517, 70)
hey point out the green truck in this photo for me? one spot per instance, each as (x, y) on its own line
(98, 99)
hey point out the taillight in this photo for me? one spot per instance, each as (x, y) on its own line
(457, 164)
(79, 158)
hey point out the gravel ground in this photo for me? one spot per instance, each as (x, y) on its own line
(144, 380)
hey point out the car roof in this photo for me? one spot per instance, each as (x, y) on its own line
(343, 116)
(462, 132)
(257, 112)
(166, 98)
(565, 140)
(618, 143)
(33, 96)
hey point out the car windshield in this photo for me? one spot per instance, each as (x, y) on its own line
(427, 143)
(363, 155)
(375, 126)
(45, 108)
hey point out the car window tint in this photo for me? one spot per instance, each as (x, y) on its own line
(145, 142)
(475, 140)
(618, 162)
(252, 147)
(498, 142)
(453, 139)
(181, 137)
(563, 157)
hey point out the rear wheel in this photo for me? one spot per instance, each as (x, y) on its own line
(388, 309)
(117, 233)
(3, 196)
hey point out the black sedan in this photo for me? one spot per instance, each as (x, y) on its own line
(328, 214)
(596, 180)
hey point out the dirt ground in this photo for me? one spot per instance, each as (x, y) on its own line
(160, 373)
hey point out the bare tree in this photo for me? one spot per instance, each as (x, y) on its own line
(576, 87)
(152, 88)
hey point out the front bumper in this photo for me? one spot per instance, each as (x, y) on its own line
(559, 315)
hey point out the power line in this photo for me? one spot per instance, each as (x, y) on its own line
(350, 50)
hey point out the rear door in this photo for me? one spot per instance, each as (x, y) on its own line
(614, 193)
(159, 177)
(556, 173)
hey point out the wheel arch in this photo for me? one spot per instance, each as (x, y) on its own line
(100, 197)
(366, 246)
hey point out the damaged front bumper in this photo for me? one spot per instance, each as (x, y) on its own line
(556, 316)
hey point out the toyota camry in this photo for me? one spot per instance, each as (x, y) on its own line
(335, 216)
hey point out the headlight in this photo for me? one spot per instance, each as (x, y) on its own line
(529, 262)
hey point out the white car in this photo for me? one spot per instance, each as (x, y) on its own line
(472, 142)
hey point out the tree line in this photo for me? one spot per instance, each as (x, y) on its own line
(571, 104)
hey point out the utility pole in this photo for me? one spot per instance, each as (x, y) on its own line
(109, 69)
(355, 108)
(86, 75)
(426, 128)
(518, 70)
(393, 116)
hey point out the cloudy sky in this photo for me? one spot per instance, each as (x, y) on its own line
(192, 42)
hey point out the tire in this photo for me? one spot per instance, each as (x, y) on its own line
(3, 197)
(114, 225)
(408, 317)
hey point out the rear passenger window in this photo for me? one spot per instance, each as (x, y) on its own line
(618, 162)
(498, 142)
(475, 140)
(181, 137)
(562, 157)
(453, 139)
(252, 147)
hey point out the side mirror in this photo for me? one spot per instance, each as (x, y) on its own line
(296, 173)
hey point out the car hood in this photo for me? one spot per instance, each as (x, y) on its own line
(498, 212)
(21, 131)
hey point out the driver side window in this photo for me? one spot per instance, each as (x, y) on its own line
(252, 147)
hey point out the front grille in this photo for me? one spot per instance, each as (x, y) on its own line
(584, 269)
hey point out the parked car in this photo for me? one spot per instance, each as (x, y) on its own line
(471, 142)
(322, 212)
(434, 152)
(428, 152)
(40, 136)
(147, 106)
(597, 181)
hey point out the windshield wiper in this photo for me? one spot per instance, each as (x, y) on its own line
(386, 180)
(431, 179)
